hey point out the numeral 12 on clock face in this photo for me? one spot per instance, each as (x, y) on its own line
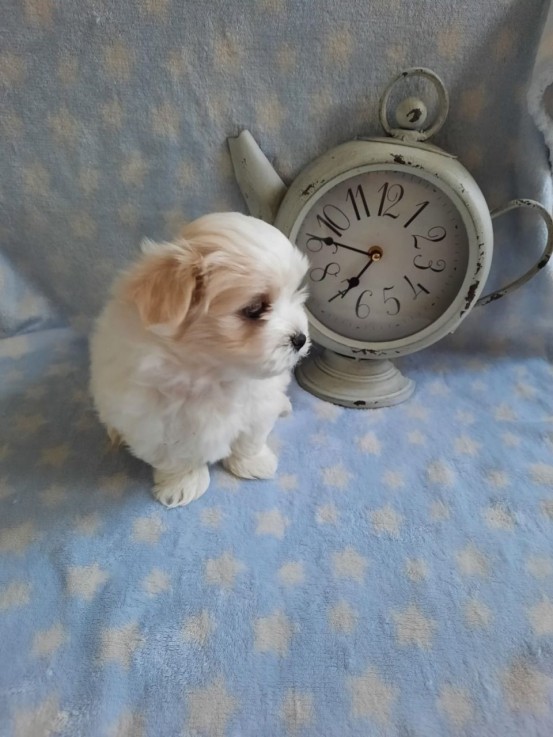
(388, 253)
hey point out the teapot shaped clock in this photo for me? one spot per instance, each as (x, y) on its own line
(399, 240)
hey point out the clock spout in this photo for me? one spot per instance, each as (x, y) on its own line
(259, 183)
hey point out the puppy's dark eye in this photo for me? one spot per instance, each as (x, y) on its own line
(256, 309)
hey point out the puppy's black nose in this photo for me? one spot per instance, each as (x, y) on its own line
(298, 340)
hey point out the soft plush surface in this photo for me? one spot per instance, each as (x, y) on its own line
(396, 577)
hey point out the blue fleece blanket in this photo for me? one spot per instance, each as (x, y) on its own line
(396, 577)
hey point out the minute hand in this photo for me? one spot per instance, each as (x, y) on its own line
(349, 248)
(329, 241)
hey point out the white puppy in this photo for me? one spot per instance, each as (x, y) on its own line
(192, 355)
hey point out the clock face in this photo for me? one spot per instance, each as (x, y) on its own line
(388, 255)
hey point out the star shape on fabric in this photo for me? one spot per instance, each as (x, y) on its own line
(439, 472)
(15, 347)
(147, 529)
(542, 474)
(64, 126)
(46, 642)
(343, 618)
(44, 719)
(348, 563)
(541, 617)
(456, 705)
(510, 440)
(211, 517)
(327, 514)
(222, 571)
(539, 566)
(498, 517)
(114, 485)
(416, 411)
(393, 479)
(119, 61)
(210, 708)
(527, 689)
(84, 581)
(166, 121)
(88, 524)
(465, 445)
(371, 696)
(369, 443)
(288, 482)
(15, 594)
(327, 411)
(156, 582)
(297, 710)
(271, 113)
(129, 724)
(413, 628)
(498, 478)
(119, 644)
(416, 569)
(336, 476)
(273, 634)
(17, 539)
(472, 562)
(54, 495)
(386, 521)
(477, 614)
(504, 413)
(292, 573)
(198, 628)
(416, 437)
(272, 522)
(439, 388)
(134, 169)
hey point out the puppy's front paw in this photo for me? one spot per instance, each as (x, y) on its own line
(263, 465)
(178, 489)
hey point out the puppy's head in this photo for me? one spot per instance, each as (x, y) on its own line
(227, 294)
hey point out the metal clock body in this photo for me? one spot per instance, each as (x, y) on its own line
(400, 243)
(427, 218)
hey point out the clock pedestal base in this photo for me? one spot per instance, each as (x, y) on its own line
(360, 384)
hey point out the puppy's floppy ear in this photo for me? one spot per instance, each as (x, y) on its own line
(164, 286)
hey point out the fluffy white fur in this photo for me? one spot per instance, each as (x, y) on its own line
(192, 355)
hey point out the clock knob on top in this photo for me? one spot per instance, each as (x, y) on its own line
(411, 114)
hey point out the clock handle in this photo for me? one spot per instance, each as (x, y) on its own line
(544, 258)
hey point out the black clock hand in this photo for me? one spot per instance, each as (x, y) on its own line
(328, 241)
(349, 248)
(354, 280)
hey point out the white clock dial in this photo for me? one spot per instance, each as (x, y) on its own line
(388, 255)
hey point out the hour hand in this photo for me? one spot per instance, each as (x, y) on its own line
(351, 283)
(354, 281)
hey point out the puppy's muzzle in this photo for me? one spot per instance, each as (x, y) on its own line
(298, 340)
